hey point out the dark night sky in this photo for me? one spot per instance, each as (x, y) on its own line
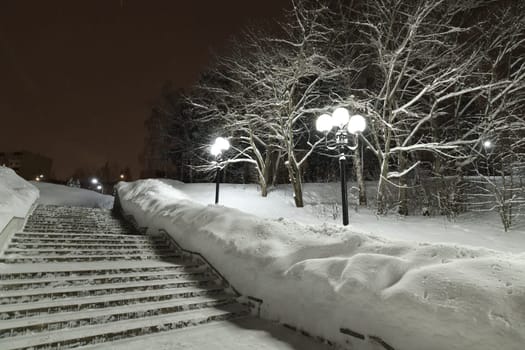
(77, 77)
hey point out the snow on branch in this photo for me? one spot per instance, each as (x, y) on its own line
(395, 174)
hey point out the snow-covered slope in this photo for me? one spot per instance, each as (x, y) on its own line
(325, 277)
(16, 196)
(322, 205)
(71, 196)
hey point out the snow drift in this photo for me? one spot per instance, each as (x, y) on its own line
(16, 196)
(321, 278)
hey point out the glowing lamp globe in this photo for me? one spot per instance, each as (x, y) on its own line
(215, 150)
(356, 124)
(222, 143)
(324, 123)
(341, 117)
(94, 181)
(487, 144)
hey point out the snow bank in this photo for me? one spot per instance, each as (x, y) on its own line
(71, 196)
(321, 278)
(16, 196)
(322, 204)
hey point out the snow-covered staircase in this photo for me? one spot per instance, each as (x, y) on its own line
(78, 276)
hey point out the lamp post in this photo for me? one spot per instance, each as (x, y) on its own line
(487, 146)
(220, 145)
(346, 127)
(94, 184)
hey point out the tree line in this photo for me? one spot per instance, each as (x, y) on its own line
(441, 84)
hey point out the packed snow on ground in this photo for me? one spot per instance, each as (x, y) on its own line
(53, 194)
(322, 277)
(16, 196)
(322, 205)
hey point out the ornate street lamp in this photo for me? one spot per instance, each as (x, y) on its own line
(219, 146)
(346, 127)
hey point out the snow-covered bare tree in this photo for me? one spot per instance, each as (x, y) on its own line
(224, 98)
(420, 64)
(272, 90)
(500, 160)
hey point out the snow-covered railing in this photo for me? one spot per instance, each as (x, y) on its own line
(198, 255)
(363, 337)
(253, 302)
(117, 210)
(14, 224)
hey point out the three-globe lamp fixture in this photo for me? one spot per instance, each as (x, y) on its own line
(344, 125)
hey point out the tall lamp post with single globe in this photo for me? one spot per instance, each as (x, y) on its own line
(487, 147)
(219, 146)
(346, 127)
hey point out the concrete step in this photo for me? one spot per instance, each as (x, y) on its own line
(18, 310)
(98, 279)
(77, 223)
(86, 231)
(50, 293)
(102, 250)
(53, 270)
(86, 241)
(15, 258)
(81, 245)
(94, 334)
(23, 326)
(92, 236)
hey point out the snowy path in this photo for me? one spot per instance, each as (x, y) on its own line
(247, 333)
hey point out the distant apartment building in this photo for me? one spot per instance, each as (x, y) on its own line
(26, 164)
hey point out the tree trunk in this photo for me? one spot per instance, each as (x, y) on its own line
(381, 187)
(358, 168)
(295, 178)
(264, 188)
(402, 198)
(263, 181)
(276, 164)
